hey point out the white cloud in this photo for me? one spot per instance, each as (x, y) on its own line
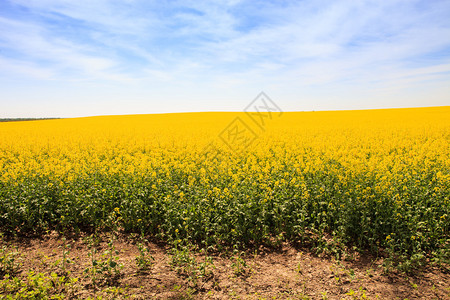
(34, 45)
(10, 66)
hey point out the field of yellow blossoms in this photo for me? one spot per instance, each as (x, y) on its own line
(374, 180)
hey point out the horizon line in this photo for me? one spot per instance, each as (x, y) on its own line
(20, 119)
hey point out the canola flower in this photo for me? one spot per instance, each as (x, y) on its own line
(377, 179)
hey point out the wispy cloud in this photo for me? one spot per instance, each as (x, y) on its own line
(283, 45)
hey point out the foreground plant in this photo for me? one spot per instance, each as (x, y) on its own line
(104, 266)
(10, 261)
(144, 261)
(38, 286)
(184, 262)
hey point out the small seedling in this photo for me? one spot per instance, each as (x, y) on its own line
(144, 261)
(185, 263)
(9, 261)
(65, 253)
(106, 267)
(239, 265)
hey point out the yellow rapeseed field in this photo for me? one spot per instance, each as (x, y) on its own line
(374, 179)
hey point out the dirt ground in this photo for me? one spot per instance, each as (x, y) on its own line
(287, 273)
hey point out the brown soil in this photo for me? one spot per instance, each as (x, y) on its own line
(287, 273)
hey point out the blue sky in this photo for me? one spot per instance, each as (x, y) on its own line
(80, 58)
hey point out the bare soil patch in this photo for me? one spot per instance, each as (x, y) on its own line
(286, 273)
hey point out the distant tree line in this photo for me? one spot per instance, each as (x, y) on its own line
(24, 119)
